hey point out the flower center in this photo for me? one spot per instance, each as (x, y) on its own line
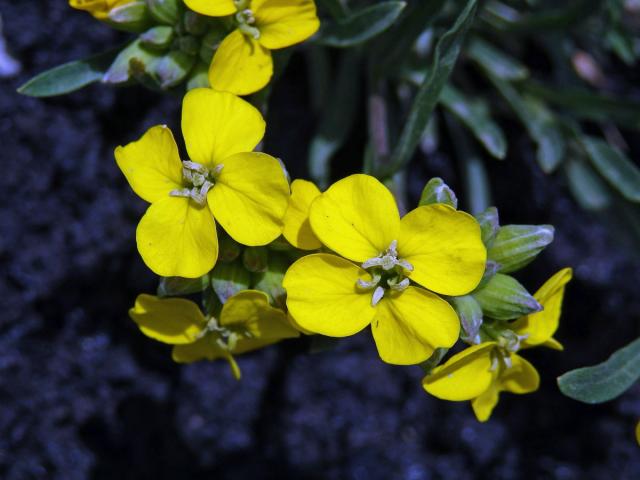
(387, 272)
(198, 180)
(225, 338)
(508, 343)
(245, 18)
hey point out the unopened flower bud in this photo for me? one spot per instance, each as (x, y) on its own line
(270, 281)
(470, 313)
(132, 16)
(504, 298)
(171, 286)
(173, 68)
(165, 11)
(227, 279)
(159, 37)
(517, 245)
(489, 225)
(436, 191)
(255, 259)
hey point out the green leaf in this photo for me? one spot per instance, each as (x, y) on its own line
(587, 187)
(497, 62)
(337, 121)
(69, 77)
(445, 57)
(605, 381)
(614, 166)
(475, 115)
(360, 26)
(540, 125)
(334, 7)
(436, 191)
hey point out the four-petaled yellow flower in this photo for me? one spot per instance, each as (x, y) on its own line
(247, 193)
(434, 246)
(98, 8)
(247, 322)
(243, 64)
(480, 372)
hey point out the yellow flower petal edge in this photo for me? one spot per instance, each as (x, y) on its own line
(297, 228)
(638, 433)
(174, 321)
(465, 376)
(521, 377)
(282, 24)
(410, 325)
(212, 8)
(177, 238)
(250, 198)
(204, 349)
(539, 327)
(357, 217)
(99, 9)
(151, 164)
(216, 125)
(322, 296)
(484, 404)
(240, 65)
(445, 248)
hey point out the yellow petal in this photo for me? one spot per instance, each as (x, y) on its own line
(217, 125)
(240, 65)
(357, 217)
(638, 433)
(177, 238)
(485, 403)
(553, 344)
(464, 376)
(540, 326)
(322, 295)
(444, 247)
(151, 164)
(250, 198)
(204, 349)
(174, 321)
(282, 24)
(297, 326)
(212, 8)
(297, 229)
(409, 325)
(250, 310)
(520, 377)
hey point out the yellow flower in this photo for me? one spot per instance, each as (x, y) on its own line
(297, 229)
(434, 246)
(247, 322)
(479, 373)
(243, 63)
(482, 371)
(98, 8)
(538, 328)
(247, 193)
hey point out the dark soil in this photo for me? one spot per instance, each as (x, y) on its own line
(84, 395)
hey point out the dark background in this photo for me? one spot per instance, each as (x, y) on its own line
(84, 395)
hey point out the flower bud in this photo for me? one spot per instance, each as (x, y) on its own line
(194, 23)
(228, 249)
(166, 12)
(120, 70)
(504, 298)
(172, 68)
(489, 225)
(436, 191)
(172, 286)
(255, 259)
(132, 16)
(517, 245)
(159, 37)
(227, 279)
(470, 313)
(270, 281)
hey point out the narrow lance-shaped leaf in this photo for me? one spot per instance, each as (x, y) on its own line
(614, 166)
(496, 61)
(446, 55)
(475, 115)
(587, 187)
(605, 381)
(69, 77)
(360, 26)
(335, 7)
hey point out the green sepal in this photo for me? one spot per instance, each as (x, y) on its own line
(227, 279)
(270, 281)
(470, 313)
(255, 259)
(199, 78)
(436, 191)
(194, 23)
(134, 56)
(165, 11)
(228, 248)
(504, 298)
(515, 246)
(489, 225)
(490, 269)
(172, 68)
(173, 286)
(159, 37)
(131, 17)
(434, 360)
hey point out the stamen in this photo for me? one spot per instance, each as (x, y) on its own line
(368, 285)
(399, 287)
(200, 179)
(378, 293)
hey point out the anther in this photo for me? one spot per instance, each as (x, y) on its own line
(378, 293)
